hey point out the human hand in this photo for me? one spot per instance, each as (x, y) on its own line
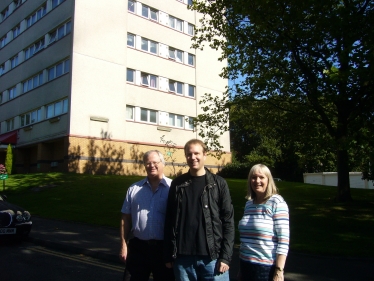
(123, 253)
(222, 267)
(278, 275)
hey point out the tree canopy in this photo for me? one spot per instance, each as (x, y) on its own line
(312, 60)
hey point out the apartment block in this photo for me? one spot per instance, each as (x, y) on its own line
(89, 86)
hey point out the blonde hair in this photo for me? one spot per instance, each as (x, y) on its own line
(271, 189)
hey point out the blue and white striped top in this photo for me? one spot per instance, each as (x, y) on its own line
(264, 231)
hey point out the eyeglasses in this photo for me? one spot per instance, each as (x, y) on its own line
(149, 164)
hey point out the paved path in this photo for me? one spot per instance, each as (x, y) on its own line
(103, 243)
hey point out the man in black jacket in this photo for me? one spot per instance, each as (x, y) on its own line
(199, 225)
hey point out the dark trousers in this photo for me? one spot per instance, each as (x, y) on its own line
(146, 257)
(256, 272)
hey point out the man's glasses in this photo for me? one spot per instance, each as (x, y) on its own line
(149, 164)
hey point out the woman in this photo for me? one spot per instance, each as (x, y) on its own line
(264, 229)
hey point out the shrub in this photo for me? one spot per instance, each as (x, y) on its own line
(236, 170)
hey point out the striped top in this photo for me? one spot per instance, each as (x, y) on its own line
(264, 231)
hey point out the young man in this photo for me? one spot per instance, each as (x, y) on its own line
(199, 224)
(143, 212)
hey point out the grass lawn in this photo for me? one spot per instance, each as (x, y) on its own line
(318, 225)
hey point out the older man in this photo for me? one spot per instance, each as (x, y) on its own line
(143, 212)
(199, 224)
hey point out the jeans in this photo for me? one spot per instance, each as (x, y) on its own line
(256, 272)
(197, 268)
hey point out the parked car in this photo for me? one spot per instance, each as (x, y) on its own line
(14, 220)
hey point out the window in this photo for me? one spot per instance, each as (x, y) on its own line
(33, 49)
(189, 2)
(33, 82)
(10, 125)
(16, 31)
(129, 112)
(191, 29)
(147, 115)
(17, 3)
(149, 46)
(131, 6)
(150, 13)
(131, 40)
(176, 120)
(12, 93)
(5, 13)
(175, 54)
(190, 123)
(30, 117)
(130, 77)
(2, 69)
(14, 61)
(191, 59)
(57, 108)
(58, 70)
(175, 23)
(191, 91)
(55, 3)
(176, 87)
(36, 16)
(149, 80)
(3, 41)
(59, 32)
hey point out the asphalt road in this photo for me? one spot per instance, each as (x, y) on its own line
(27, 261)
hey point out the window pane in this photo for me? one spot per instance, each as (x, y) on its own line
(145, 79)
(190, 29)
(154, 15)
(67, 66)
(68, 27)
(35, 81)
(58, 108)
(171, 119)
(50, 111)
(145, 11)
(130, 75)
(59, 69)
(38, 115)
(191, 59)
(172, 86)
(143, 114)
(153, 81)
(130, 112)
(179, 121)
(22, 120)
(64, 106)
(171, 53)
(190, 123)
(29, 84)
(40, 78)
(191, 91)
(152, 116)
(179, 25)
(144, 45)
(153, 47)
(171, 22)
(179, 88)
(33, 117)
(179, 56)
(130, 40)
(61, 32)
(27, 121)
(131, 6)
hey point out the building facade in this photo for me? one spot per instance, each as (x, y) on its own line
(89, 86)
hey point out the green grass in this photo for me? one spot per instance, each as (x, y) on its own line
(318, 225)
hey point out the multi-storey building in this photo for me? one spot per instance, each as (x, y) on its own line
(89, 86)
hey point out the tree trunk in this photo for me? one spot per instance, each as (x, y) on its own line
(344, 189)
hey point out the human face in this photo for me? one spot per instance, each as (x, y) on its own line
(195, 159)
(259, 183)
(154, 166)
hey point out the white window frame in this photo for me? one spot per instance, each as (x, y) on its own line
(149, 13)
(146, 80)
(176, 87)
(133, 36)
(133, 75)
(191, 29)
(149, 46)
(51, 108)
(174, 119)
(191, 89)
(131, 6)
(30, 117)
(148, 111)
(130, 112)
(175, 54)
(175, 22)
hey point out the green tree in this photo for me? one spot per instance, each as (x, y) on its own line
(9, 159)
(312, 59)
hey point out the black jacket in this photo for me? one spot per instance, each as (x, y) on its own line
(218, 217)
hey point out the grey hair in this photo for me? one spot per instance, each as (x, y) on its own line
(145, 156)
